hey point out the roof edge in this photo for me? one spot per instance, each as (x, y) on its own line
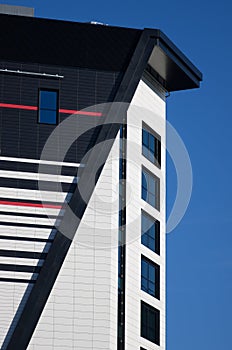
(171, 64)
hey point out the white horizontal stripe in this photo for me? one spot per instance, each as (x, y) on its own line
(23, 245)
(29, 210)
(36, 176)
(19, 275)
(19, 193)
(32, 73)
(39, 161)
(31, 232)
(28, 220)
(20, 261)
(13, 291)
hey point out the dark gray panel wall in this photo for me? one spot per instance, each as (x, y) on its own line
(21, 135)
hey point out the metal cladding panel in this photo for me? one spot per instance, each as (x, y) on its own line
(21, 134)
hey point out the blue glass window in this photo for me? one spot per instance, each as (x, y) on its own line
(150, 189)
(150, 277)
(150, 233)
(151, 146)
(48, 106)
(150, 323)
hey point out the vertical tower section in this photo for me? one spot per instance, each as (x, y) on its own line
(146, 202)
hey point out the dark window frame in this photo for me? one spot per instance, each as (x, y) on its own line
(151, 331)
(156, 238)
(149, 193)
(148, 280)
(157, 145)
(55, 110)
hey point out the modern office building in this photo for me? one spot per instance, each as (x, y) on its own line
(82, 182)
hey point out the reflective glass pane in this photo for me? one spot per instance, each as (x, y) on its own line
(144, 194)
(144, 268)
(152, 200)
(145, 151)
(48, 100)
(151, 244)
(149, 232)
(47, 117)
(149, 271)
(151, 275)
(144, 284)
(151, 157)
(152, 144)
(151, 288)
(150, 323)
(145, 240)
(144, 180)
(152, 184)
(145, 138)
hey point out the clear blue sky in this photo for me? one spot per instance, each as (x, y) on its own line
(199, 269)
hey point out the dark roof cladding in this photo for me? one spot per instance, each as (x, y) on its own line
(66, 43)
(84, 45)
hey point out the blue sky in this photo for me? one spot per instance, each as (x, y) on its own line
(199, 254)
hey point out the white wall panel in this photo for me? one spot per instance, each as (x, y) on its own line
(146, 107)
(29, 210)
(28, 220)
(35, 176)
(24, 245)
(10, 296)
(16, 193)
(32, 232)
(81, 312)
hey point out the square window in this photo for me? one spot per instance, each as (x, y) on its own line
(150, 323)
(150, 277)
(150, 189)
(151, 145)
(150, 232)
(48, 106)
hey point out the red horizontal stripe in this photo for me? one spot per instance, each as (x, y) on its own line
(26, 204)
(70, 111)
(10, 105)
(35, 108)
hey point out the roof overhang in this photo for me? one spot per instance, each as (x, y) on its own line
(172, 65)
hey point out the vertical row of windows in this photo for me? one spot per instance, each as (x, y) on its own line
(150, 237)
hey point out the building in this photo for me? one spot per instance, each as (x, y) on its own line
(78, 268)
